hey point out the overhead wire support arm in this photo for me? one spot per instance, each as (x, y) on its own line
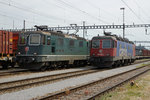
(141, 41)
(99, 27)
(87, 27)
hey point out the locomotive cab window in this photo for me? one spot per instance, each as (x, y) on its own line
(87, 44)
(48, 40)
(60, 41)
(43, 39)
(95, 43)
(22, 39)
(81, 44)
(113, 44)
(34, 39)
(71, 43)
(106, 44)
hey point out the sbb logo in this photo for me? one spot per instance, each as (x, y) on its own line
(26, 49)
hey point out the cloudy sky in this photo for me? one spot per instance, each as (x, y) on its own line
(66, 12)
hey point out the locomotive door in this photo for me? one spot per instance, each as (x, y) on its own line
(53, 48)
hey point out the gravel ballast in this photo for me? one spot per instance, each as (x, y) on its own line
(11, 70)
(32, 75)
(89, 91)
(51, 88)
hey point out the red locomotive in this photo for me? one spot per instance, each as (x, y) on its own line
(110, 50)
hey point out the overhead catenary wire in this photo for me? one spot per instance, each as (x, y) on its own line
(83, 12)
(31, 11)
(23, 9)
(18, 18)
(21, 18)
(12, 17)
(143, 11)
(96, 7)
(48, 2)
(132, 10)
(63, 9)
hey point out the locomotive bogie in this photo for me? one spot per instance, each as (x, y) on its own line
(51, 60)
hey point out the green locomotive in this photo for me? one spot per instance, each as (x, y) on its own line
(39, 50)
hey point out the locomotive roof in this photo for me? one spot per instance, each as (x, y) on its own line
(114, 37)
(59, 33)
(104, 37)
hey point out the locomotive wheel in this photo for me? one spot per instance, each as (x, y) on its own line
(12, 65)
(130, 62)
(5, 66)
(116, 64)
(126, 62)
(43, 68)
(119, 63)
(123, 63)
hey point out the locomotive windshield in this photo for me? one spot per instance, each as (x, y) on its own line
(106, 44)
(95, 43)
(34, 39)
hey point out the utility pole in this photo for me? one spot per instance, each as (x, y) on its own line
(123, 22)
(13, 24)
(83, 28)
(24, 25)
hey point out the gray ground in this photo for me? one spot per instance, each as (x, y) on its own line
(57, 86)
(32, 75)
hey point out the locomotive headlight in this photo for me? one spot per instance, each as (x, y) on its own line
(100, 51)
(35, 53)
(33, 59)
(107, 54)
(19, 53)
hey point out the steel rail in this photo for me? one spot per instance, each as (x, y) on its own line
(116, 85)
(12, 72)
(2, 74)
(73, 89)
(8, 86)
(41, 80)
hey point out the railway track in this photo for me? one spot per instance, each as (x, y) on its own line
(37, 81)
(23, 71)
(26, 71)
(16, 72)
(92, 90)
